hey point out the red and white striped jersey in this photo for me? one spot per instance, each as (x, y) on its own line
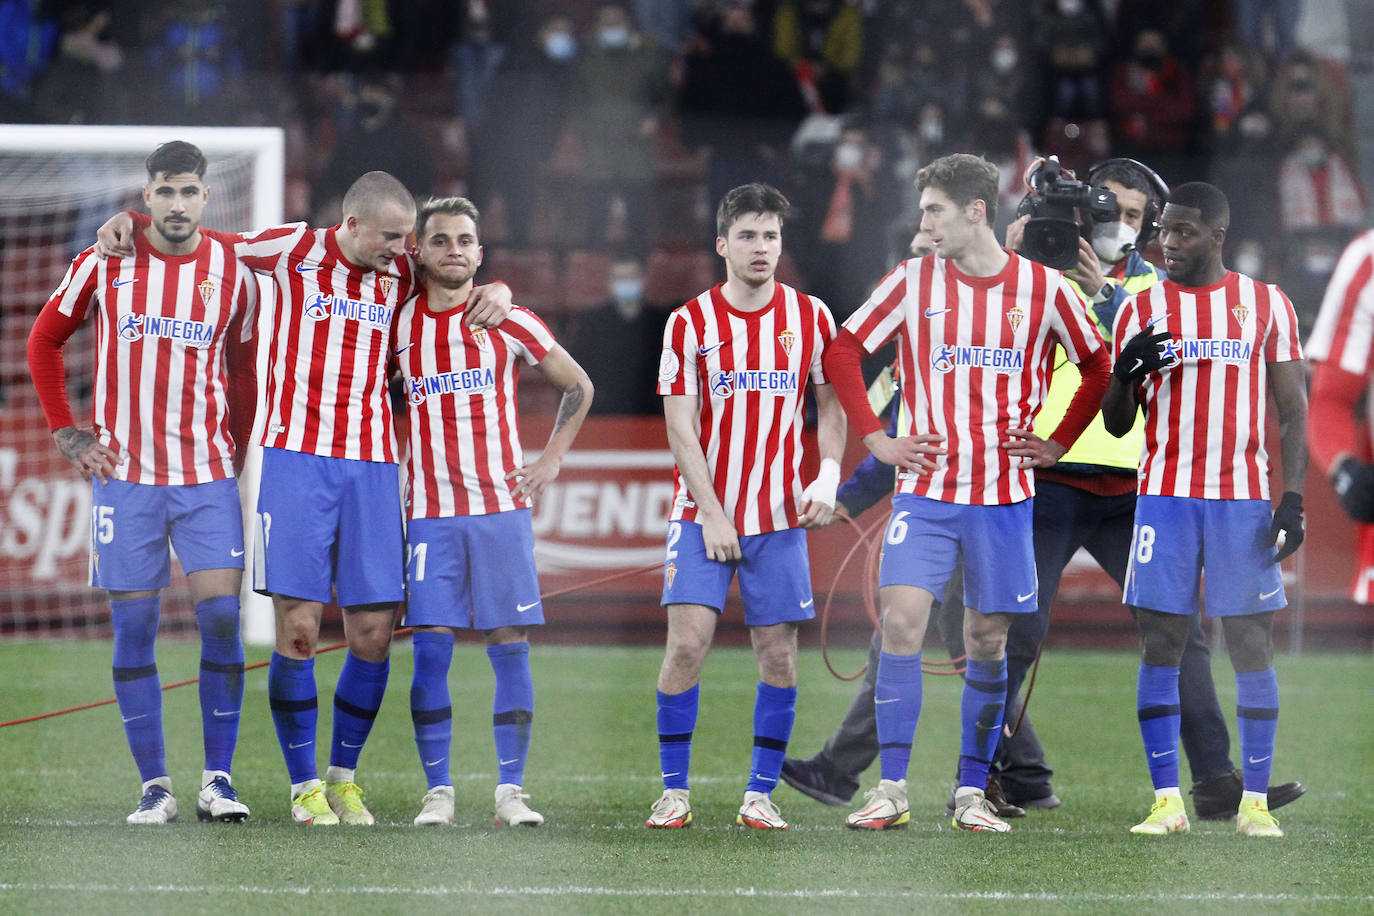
(1205, 416)
(460, 383)
(749, 370)
(162, 327)
(1344, 332)
(326, 390)
(975, 358)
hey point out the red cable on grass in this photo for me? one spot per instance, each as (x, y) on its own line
(624, 574)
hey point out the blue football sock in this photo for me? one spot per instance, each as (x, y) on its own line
(677, 719)
(295, 708)
(897, 709)
(357, 697)
(775, 709)
(221, 678)
(512, 709)
(980, 714)
(431, 709)
(136, 684)
(1257, 721)
(1157, 710)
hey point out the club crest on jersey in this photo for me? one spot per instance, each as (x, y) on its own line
(669, 574)
(1015, 315)
(787, 339)
(384, 281)
(479, 337)
(373, 314)
(1240, 312)
(192, 333)
(948, 357)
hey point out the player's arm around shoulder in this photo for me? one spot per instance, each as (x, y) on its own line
(564, 373)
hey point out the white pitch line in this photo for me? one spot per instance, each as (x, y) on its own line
(471, 890)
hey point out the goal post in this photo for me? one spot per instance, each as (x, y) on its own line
(58, 183)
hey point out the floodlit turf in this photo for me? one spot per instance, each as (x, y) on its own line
(68, 783)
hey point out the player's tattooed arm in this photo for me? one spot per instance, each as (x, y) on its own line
(563, 372)
(85, 452)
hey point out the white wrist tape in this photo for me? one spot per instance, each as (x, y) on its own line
(822, 489)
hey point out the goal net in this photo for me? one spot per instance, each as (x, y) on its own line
(57, 185)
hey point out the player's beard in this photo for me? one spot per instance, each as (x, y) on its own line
(176, 231)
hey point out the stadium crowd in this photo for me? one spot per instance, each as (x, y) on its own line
(620, 123)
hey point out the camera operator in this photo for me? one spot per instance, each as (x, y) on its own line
(1088, 498)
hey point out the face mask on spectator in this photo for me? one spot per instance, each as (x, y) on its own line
(627, 290)
(614, 37)
(1113, 241)
(560, 46)
(849, 156)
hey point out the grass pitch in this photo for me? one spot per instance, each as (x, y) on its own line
(593, 772)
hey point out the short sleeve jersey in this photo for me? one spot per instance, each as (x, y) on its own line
(1344, 332)
(460, 385)
(162, 325)
(975, 358)
(749, 371)
(1205, 416)
(326, 387)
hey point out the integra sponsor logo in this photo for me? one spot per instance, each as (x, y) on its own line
(768, 381)
(1223, 350)
(998, 359)
(191, 333)
(466, 381)
(322, 305)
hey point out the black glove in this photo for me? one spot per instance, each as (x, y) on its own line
(1288, 519)
(1354, 483)
(1144, 353)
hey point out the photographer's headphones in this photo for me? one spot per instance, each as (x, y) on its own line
(1149, 227)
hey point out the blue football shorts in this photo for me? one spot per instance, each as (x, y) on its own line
(473, 572)
(1224, 543)
(132, 523)
(774, 574)
(925, 537)
(324, 521)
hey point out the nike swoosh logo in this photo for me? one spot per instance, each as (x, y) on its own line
(346, 744)
(400, 350)
(506, 763)
(931, 313)
(707, 351)
(430, 763)
(888, 700)
(118, 283)
(236, 553)
(306, 268)
(522, 608)
(1157, 754)
(132, 718)
(666, 775)
(223, 713)
(1260, 759)
(296, 747)
(1265, 596)
(1027, 595)
(808, 602)
(1138, 364)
